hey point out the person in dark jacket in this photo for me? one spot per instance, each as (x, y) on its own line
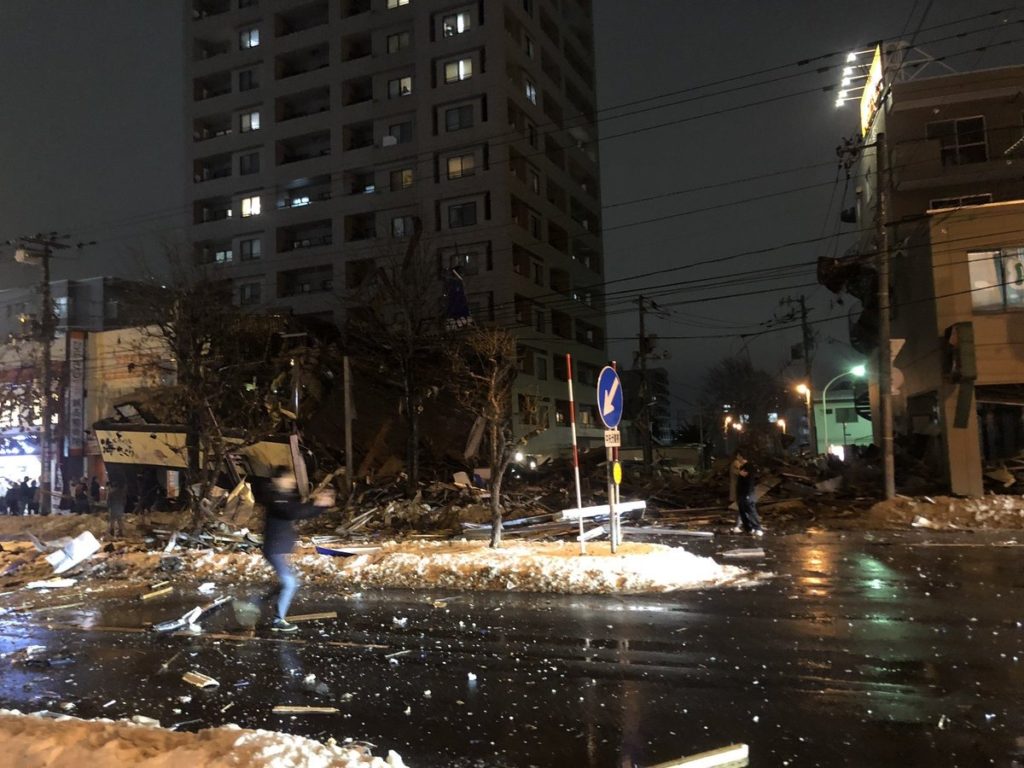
(283, 506)
(117, 497)
(746, 483)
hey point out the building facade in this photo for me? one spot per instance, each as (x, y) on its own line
(324, 133)
(955, 215)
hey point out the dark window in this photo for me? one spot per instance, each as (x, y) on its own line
(250, 249)
(398, 41)
(401, 132)
(249, 163)
(247, 80)
(960, 141)
(457, 118)
(461, 215)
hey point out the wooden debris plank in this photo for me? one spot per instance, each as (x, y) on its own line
(667, 532)
(297, 709)
(725, 757)
(156, 593)
(312, 616)
(369, 646)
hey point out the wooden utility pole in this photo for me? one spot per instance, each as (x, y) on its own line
(884, 319)
(41, 247)
(808, 348)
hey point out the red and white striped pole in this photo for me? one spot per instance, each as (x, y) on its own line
(575, 450)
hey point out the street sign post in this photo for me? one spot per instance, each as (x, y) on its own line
(609, 408)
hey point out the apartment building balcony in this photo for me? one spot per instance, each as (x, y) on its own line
(211, 86)
(206, 49)
(303, 193)
(356, 90)
(561, 324)
(213, 252)
(297, 20)
(589, 335)
(297, 282)
(357, 136)
(210, 168)
(298, 105)
(356, 47)
(204, 9)
(586, 254)
(353, 8)
(586, 219)
(360, 227)
(560, 282)
(302, 61)
(212, 127)
(296, 149)
(304, 236)
(211, 210)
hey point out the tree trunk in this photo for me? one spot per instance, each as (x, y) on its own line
(495, 486)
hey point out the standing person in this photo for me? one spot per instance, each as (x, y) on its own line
(734, 473)
(34, 498)
(24, 496)
(11, 499)
(117, 497)
(282, 507)
(94, 490)
(746, 482)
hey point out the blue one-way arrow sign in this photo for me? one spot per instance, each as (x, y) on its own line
(609, 397)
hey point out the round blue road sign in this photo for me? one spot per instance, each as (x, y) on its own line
(609, 397)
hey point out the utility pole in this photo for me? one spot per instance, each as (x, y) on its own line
(884, 318)
(41, 247)
(645, 412)
(808, 347)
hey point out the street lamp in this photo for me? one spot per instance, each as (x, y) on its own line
(857, 371)
(812, 435)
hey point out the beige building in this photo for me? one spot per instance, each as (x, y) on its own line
(956, 231)
(321, 130)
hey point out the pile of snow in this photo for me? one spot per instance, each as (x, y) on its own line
(947, 512)
(67, 742)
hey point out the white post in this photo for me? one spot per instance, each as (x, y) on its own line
(575, 450)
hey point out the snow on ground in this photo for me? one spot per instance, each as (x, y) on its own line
(66, 742)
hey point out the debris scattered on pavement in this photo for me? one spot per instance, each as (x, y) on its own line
(301, 709)
(74, 552)
(51, 584)
(199, 680)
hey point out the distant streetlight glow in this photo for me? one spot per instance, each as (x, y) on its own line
(857, 371)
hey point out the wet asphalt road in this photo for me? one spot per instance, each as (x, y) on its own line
(864, 650)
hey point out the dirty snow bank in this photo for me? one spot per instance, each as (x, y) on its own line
(523, 567)
(66, 742)
(1000, 511)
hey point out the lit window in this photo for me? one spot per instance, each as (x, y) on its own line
(250, 249)
(401, 86)
(455, 24)
(458, 70)
(461, 215)
(222, 256)
(250, 206)
(299, 202)
(398, 41)
(397, 3)
(250, 121)
(249, 38)
(997, 279)
(462, 165)
(457, 118)
(531, 90)
(401, 179)
(401, 226)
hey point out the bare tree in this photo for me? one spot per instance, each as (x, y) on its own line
(396, 317)
(484, 364)
(226, 374)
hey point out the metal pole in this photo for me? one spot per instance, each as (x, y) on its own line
(884, 321)
(575, 450)
(613, 492)
(347, 376)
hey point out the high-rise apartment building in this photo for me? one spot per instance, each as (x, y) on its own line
(320, 130)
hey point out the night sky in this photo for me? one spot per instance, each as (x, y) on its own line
(92, 143)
